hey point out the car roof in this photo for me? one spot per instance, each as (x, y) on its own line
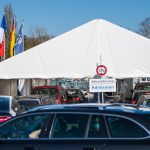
(28, 99)
(141, 91)
(146, 96)
(47, 86)
(10, 97)
(142, 83)
(73, 89)
(94, 107)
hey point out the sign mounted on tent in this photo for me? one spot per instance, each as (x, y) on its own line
(101, 70)
(102, 85)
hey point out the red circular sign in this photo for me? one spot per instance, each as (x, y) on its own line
(101, 70)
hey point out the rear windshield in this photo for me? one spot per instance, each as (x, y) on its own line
(137, 95)
(29, 103)
(4, 104)
(43, 91)
(143, 87)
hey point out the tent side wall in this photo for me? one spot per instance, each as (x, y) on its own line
(8, 87)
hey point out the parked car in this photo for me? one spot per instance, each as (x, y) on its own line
(136, 94)
(8, 108)
(55, 94)
(142, 86)
(29, 102)
(144, 100)
(78, 127)
(75, 95)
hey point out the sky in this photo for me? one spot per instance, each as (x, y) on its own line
(60, 16)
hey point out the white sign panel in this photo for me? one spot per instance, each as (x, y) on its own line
(102, 85)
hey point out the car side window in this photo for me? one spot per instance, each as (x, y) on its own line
(69, 126)
(123, 128)
(97, 127)
(24, 127)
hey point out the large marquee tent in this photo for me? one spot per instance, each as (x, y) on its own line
(76, 54)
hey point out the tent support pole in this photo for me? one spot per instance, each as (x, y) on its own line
(98, 97)
(103, 97)
(10, 88)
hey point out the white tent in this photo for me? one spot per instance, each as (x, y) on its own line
(77, 52)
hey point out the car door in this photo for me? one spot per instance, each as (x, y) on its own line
(24, 132)
(126, 134)
(74, 131)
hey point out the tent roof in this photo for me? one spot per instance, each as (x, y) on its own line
(76, 54)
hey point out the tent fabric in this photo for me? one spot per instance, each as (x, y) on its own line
(76, 54)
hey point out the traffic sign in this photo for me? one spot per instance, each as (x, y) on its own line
(101, 70)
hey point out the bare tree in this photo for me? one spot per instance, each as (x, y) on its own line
(145, 28)
(9, 16)
(37, 36)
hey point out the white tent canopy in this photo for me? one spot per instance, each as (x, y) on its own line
(76, 53)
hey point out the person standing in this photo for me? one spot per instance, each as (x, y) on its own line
(123, 90)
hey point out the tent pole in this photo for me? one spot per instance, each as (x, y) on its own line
(98, 98)
(103, 98)
(10, 88)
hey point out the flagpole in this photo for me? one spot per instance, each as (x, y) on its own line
(15, 35)
(4, 43)
(23, 85)
(23, 34)
(12, 41)
(4, 47)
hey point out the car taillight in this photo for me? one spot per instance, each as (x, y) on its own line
(57, 101)
(147, 93)
(133, 101)
(3, 118)
(77, 98)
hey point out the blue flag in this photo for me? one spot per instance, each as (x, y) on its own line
(3, 23)
(19, 42)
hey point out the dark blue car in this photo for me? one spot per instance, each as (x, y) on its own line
(78, 127)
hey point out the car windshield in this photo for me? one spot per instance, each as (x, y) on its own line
(4, 104)
(137, 95)
(29, 103)
(143, 87)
